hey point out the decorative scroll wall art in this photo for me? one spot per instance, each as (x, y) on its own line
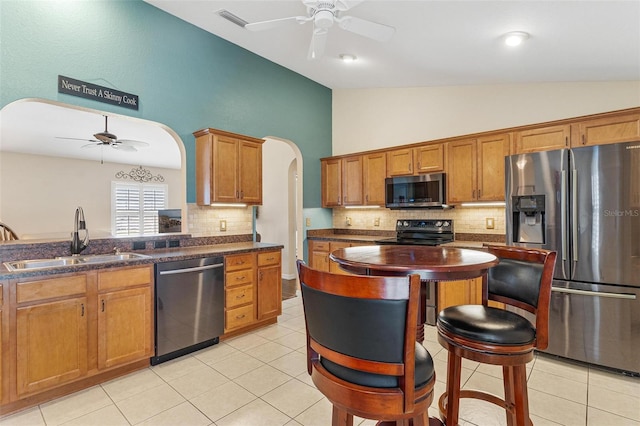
(140, 175)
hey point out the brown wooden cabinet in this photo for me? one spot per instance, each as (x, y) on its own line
(400, 162)
(342, 181)
(51, 332)
(269, 285)
(72, 327)
(228, 168)
(476, 169)
(463, 292)
(253, 290)
(319, 255)
(124, 316)
(611, 129)
(374, 168)
(542, 139)
(429, 158)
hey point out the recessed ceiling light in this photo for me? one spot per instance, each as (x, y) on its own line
(348, 57)
(515, 38)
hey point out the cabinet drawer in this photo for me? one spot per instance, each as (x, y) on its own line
(321, 245)
(124, 277)
(238, 317)
(238, 296)
(233, 279)
(269, 258)
(239, 261)
(50, 288)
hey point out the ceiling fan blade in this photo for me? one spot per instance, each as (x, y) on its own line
(77, 139)
(121, 147)
(274, 23)
(91, 145)
(318, 42)
(131, 142)
(373, 30)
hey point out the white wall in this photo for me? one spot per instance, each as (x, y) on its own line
(274, 214)
(39, 194)
(366, 119)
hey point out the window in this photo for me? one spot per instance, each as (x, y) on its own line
(134, 208)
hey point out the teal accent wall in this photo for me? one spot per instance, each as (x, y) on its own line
(186, 78)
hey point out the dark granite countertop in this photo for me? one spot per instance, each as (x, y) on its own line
(155, 256)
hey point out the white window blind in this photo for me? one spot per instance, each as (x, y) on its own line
(134, 208)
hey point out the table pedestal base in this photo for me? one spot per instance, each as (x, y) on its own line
(432, 422)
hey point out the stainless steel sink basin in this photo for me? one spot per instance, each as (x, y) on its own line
(32, 264)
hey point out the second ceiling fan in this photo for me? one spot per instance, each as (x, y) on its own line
(109, 139)
(323, 14)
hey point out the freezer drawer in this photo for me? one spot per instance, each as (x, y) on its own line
(598, 324)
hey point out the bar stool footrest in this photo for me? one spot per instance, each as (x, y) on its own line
(475, 394)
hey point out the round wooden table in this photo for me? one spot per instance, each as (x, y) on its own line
(431, 263)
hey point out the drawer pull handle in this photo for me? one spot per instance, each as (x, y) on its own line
(240, 278)
(271, 258)
(82, 306)
(240, 296)
(240, 316)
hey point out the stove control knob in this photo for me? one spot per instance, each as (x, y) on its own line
(405, 223)
(445, 224)
(438, 224)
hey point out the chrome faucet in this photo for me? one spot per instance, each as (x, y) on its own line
(80, 224)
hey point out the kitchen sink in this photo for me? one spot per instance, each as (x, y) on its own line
(33, 264)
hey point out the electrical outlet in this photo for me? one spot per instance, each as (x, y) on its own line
(348, 221)
(223, 225)
(376, 221)
(490, 223)
(308, 221)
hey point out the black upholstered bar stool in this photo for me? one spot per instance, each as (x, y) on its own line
(492, 335)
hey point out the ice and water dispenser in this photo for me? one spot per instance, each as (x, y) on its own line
(528, 219)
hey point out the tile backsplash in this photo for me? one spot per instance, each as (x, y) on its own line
(205, 220)
(466, 219)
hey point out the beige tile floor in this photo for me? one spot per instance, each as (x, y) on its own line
(260, 379)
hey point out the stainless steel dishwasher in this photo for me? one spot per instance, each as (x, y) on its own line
(189, 306)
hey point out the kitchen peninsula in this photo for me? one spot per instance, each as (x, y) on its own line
(104, 312)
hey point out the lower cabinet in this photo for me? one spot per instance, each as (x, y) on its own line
(253, 290)
(71, 327)
(52, 343)
(463, 292)
(319, 255)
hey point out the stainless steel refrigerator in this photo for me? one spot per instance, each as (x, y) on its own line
(585, 204)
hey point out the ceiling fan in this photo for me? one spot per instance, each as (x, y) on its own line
(109, 139)
(323, 14)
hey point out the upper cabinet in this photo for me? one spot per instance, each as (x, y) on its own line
(542, 139)
(374, 167)
(600, 131)
(476, 169)
(228, 168)
(356, 180)
(428, 158)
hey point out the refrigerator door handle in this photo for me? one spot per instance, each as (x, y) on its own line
(574, 215)
(628, 296)
(563, 220)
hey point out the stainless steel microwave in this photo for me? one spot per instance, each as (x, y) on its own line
(422, 191)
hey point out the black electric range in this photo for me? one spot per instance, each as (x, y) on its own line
(426, 232)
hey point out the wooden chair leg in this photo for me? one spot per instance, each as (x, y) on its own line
(516, 396)
(421, 419)
(340, 417)
(454, 365)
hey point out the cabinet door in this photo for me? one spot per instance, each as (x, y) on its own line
(250, 172)
(429, 158)
(319, 255)
(374, 168)
(124, 326)
(491, 153)
(352, 181)
(51, 344)
(333, 266)
(542, 139)
(599, 131)
(463, 292)
(461, 182)
(225, 170)
(269, 292)
(400, 162)
(331, 182)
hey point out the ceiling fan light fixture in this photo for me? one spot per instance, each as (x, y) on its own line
(348, 57)
(106, 137)
(515, 38)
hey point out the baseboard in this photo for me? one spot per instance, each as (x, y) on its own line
(288, 276)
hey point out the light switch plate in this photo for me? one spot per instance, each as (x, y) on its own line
(308, 221)
(490, 222)
(223, 225)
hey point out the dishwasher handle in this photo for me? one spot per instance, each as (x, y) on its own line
(194, 269)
